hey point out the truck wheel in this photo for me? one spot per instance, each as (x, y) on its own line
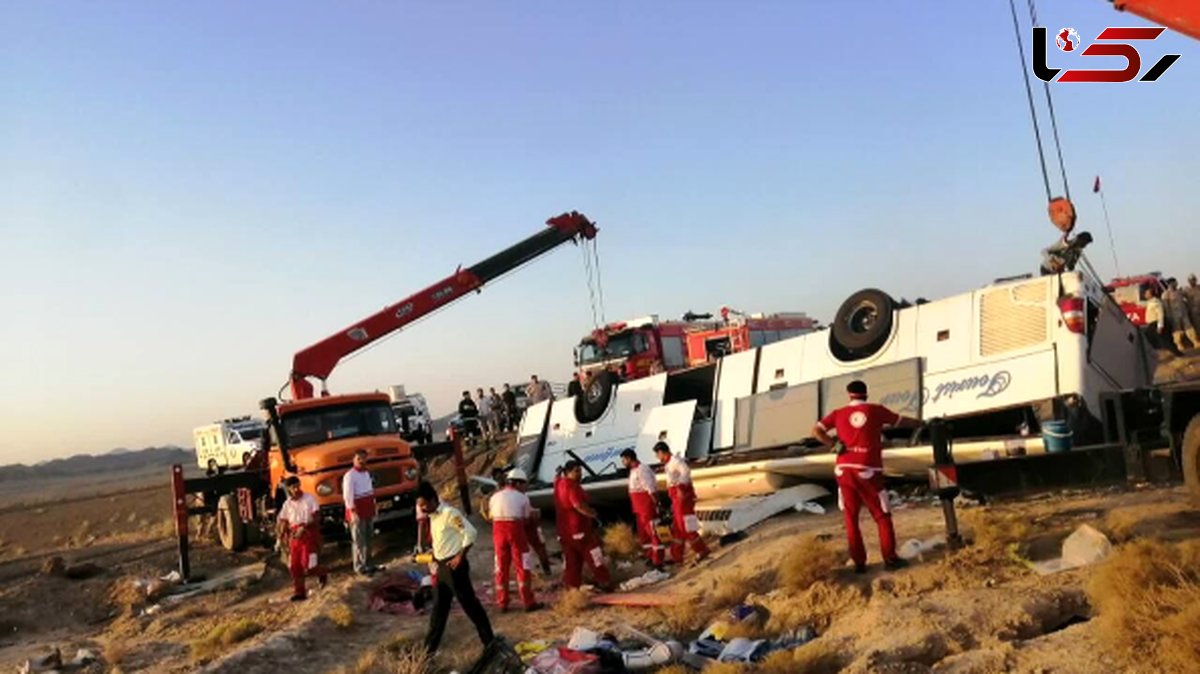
(230, 527)
(245, 459)
(212, 468)
(1191, 458)
(595, 399)
(862, 325)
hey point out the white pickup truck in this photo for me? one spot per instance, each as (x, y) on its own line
(997, 362)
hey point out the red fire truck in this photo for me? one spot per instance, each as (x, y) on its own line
(1130, 293)
(645, 346)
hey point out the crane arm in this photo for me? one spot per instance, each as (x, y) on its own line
(318, 360)
(1178, 15)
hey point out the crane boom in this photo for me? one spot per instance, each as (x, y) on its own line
(318, 360)
(1179, 15)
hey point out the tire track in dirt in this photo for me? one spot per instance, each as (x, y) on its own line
(18, 568)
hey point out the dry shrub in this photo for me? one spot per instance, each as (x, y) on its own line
(817, 657)
(814, 607)
(1122, 524)
(779, 662)
(404, 661)
(571, 602)
(732, 587)
(341, 615)
(998, 532)
(808, 562)
(222, 636)
(115, 651)
(1147, 596)
(684, 616)
(726, 668)
(126, 594)
(621, 543)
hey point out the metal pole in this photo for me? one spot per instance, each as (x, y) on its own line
(179, 498)
(944, 479)
(460, 474)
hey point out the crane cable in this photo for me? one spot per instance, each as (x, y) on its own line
(1087, 265)
(1053, 119)
(591, 268)
(1037, 131)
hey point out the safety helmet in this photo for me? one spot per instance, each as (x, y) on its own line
(517, 474)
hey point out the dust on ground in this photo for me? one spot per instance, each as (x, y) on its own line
(978, 610)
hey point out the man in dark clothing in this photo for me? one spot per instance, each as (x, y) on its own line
(468, 411)
(511, 414)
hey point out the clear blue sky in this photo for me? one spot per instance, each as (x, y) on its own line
(190, 192)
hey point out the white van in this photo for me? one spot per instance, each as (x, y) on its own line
(228, 444)
(996, 362)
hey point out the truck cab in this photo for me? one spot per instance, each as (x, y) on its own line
(316, 439)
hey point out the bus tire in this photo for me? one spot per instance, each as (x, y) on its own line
(863, 324)
(596, 397)
(230, 527)
(1190, 449)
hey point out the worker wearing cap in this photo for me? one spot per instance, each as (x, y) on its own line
(684, 524)
(533, 523)
(299, 525)
(576, 531)
(643, 496)
(859, 469)
(508, 509)
(452, 537)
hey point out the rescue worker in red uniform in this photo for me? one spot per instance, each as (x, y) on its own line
(299, 524)
(576, 532)
(859, 469)
(533, 522)
(643, 496)
(684, 524)
(508, 509)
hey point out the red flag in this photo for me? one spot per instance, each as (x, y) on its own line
(1096, 187)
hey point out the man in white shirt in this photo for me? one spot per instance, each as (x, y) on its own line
(684, 524)
(487, 415)
(358, 493)
(509, 509)
(643, 496)
(537, 390)
(299, 525)
(452, 537)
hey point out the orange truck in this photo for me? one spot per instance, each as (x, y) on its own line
(314, 436)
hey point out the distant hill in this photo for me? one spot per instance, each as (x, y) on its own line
(87, 464)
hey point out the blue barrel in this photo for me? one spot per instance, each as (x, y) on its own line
(1057, 436)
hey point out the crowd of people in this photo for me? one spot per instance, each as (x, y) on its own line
(487, 415)
(1172, 316)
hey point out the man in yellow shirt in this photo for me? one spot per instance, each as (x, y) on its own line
(452, 537)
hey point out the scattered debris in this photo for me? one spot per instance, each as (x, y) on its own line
(244, 575)
(722, 517)
(405, 594)
(1083, 547)
(914, 548)
(810, 507)
(84, 657)
(46, 663)
(649, 578)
